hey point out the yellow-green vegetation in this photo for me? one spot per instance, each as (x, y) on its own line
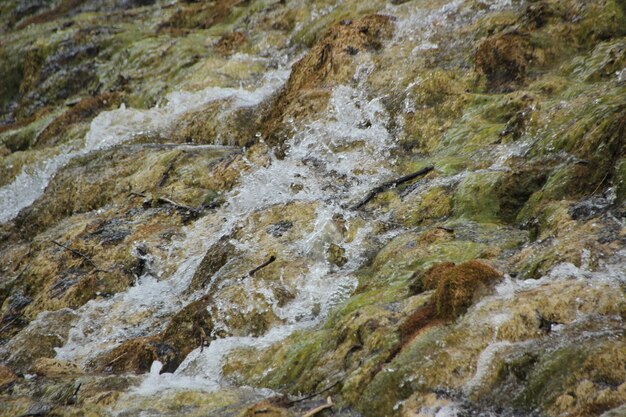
(520, 107)
(456, 286)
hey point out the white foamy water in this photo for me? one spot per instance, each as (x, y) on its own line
(334, 160)
(114, 127)
(612, 273)
(346, 144)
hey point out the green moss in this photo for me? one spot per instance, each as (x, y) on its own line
(476, 197)
(501, 110)
(432, 205)
(401, 257)
(620, 181)
(605, 60)
(294, 361)
(405, 375)
(548, 379)
(21, 139)
(11, 73)
(470, 133)
(365, 298)
(601, 20)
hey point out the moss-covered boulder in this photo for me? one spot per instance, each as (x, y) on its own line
(329, 62)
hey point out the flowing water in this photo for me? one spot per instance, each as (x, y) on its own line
(115, 127)
(334, 161)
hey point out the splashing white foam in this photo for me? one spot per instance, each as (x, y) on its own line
(114, 127)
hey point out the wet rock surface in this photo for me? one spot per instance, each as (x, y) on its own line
(202, 209)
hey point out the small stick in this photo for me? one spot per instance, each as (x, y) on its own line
(117, 358)
(308, 397)
(391, 184)
(164, 200)
(6, 326)
(263, 265)
(74, 394)
(599, 185)
(82, 255)
(176, 205)
(166, 174)
(329, 404)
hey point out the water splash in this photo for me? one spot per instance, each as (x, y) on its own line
(328, 140)
(333, 161)
(612, 274)
(114, 127)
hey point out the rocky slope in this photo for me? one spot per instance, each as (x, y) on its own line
(207, 207)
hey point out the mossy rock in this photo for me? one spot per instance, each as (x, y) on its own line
(434, 103)
(435, 204)
(189, 328)
(570, 378)
(456, 286)
(55, 368)
(503, 59)
(7, 376)
(603, 63)
(329, 62)
(494, 196)
(200, 15)
(212, 125)
(215, 258)
(83, 111)
(135, 356)
(457, 240)
(38, 339)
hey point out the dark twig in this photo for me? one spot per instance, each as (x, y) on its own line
(73, 398)
(77, 389)
(317, 410)
(391, 184)
(166, 174)
(82, 255)
(164, 200)
(263, 265)
(315, 394)
(10, 322)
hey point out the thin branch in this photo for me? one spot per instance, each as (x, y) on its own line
(263, 265)
(391, 184)
(6, 326)
(316, 410)
(82, 255)
(315, 394)
(165, 200)
(117, 358)
(600, 184)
